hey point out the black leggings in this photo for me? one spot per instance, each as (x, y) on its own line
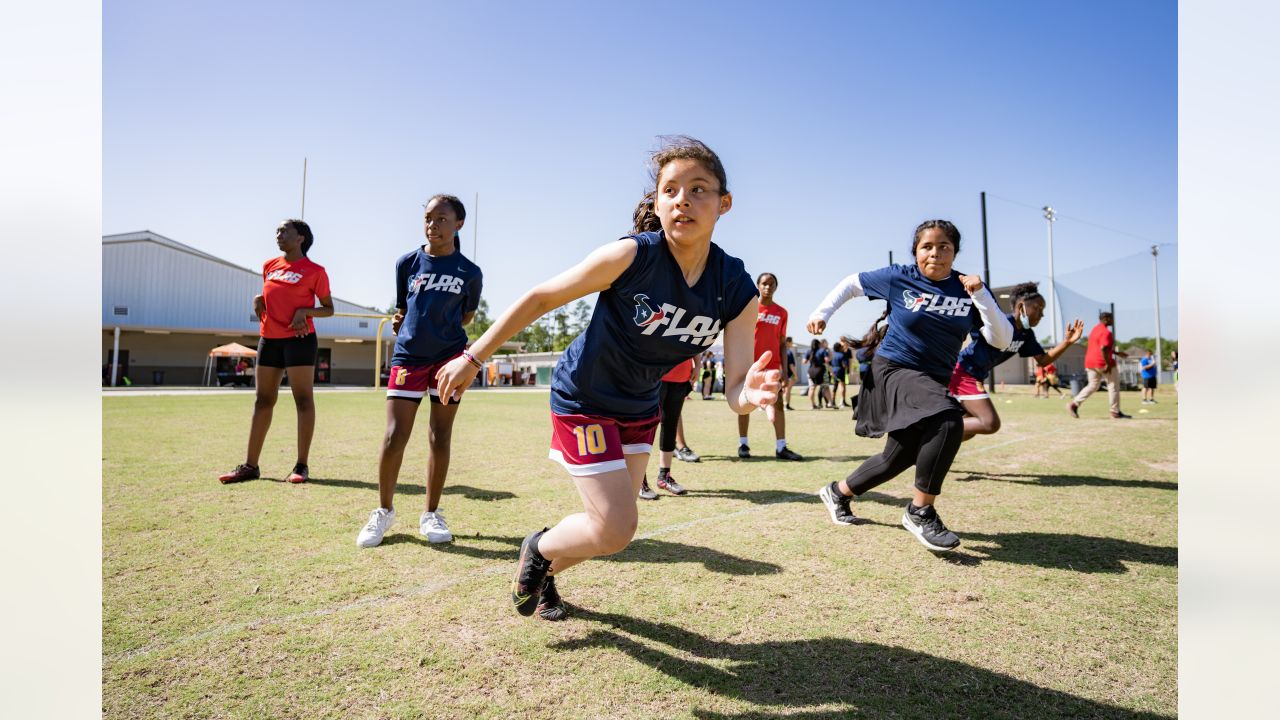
(930, 445)
(671, 402)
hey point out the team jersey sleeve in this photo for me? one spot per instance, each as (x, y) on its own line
(996, 328)
(473, 293)
(322, 283)
(846, 290)
(878, 284)
(642, 260)
(265, 265)
(402, 283)
(739, 290)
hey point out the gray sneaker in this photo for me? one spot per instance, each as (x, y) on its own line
(687, 455)
(646, 492)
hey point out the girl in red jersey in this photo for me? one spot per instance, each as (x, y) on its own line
(291, 285)
(770, 334)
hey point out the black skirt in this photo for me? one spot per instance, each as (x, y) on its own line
(898, 397)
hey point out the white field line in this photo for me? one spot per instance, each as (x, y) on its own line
(379, 600)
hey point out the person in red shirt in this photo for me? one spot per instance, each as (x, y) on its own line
(771, 333)
(291, 285)
(676, 385)
(1100, 364)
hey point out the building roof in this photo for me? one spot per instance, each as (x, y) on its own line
(150, 281)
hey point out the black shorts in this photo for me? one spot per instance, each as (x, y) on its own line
(287, 352)
(839, 375)
(1149, 383)
(817, 375)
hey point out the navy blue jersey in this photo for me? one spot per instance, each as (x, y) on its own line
(839, 361)
(864, 355)
(927, 320)
(434, 293)
(978, 357)
(646, 322)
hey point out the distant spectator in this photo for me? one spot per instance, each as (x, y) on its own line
(1100, 364)
(1149, 370)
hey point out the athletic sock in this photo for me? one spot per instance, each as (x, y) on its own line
(742, 440)
(780, 444)
(835, 490)
(663, 472)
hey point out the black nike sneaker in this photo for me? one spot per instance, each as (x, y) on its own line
(929, 530)
(837, 505)
(531, 574)
(550, 606)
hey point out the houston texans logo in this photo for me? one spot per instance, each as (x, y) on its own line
(912, 300)
(646, 315)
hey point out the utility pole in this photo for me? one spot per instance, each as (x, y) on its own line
(1155, 282)
(986, 266)
(1050, 215)
(890, 257)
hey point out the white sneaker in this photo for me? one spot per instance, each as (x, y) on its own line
(433, 527)
(371, 534)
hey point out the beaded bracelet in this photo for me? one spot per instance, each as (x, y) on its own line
(472, 359)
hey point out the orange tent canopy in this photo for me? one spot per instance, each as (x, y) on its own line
(233, 350)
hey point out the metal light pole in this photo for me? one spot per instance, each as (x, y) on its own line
(1155, 282)
(1053, 291)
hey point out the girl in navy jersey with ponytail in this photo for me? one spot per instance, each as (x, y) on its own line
(437, 293)
(931, 309)
(664, 297)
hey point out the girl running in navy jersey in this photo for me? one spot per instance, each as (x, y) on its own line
(979, 358)
(291, 286)
(931, 310)
(664, 297)
(437, 293)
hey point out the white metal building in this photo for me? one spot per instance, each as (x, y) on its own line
(170, 304)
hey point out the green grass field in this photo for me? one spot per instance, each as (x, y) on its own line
(740, 600)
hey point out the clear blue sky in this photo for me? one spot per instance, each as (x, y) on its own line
(842, 126)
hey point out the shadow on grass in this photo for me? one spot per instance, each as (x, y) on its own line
(830, 677)
(1064, 480)
(646, 550)
(770, 458)
(417, 488)
(1060, 551)
(757, 497)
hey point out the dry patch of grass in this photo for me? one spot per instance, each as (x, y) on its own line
(740, 600)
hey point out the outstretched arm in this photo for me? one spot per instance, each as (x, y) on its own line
(846, 290)
(593, 274)
(748, 385)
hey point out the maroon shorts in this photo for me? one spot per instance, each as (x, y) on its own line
(411, 382)
(965, 386)
(590, 444)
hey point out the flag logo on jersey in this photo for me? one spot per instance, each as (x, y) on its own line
(940, 304)
(645, 315)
